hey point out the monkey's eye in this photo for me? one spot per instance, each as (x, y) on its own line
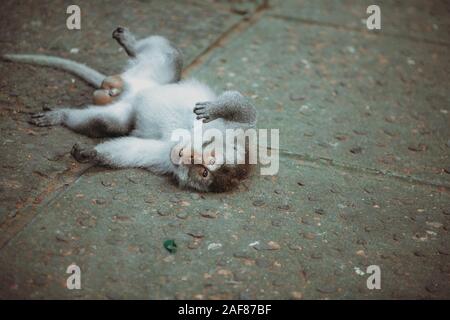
(205, 173)
(181, 152)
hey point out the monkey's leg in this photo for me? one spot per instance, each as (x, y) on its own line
(147, 47)
(127, 152)
(176, 63)
(230, 105)
(113, 120)
(127, 40)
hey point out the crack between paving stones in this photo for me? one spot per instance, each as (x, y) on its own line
(343, 166)
(359, 30)
(12, 227)
(235, 29)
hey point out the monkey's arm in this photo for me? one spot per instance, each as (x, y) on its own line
(127, 152)
(230, 105)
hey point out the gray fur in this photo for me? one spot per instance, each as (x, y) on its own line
(86, 73)
(230, 105)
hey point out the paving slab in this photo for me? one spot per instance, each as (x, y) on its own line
(310, 231)
(369, 102)
(422, 20)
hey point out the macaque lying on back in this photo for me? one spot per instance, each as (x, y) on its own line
(144, 106)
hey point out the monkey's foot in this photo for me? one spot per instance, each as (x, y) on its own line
(126, 39)
(120, 33)
(205, 111)
(46, 119)
(83, 155)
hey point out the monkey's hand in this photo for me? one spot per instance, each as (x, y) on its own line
(83, 155)
(230, 106)
(46, 119)
(208, 111)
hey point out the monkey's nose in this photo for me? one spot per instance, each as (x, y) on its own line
(196, 158)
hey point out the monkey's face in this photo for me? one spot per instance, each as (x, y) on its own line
(205, 168)
(195, 166)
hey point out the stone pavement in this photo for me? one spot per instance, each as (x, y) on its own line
(364, 164)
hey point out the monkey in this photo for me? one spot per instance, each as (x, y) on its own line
(152, 104)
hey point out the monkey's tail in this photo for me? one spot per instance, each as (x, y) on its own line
(86, 73)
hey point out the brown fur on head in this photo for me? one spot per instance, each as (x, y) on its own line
(228, 177)
(199, 170)
(222, 179)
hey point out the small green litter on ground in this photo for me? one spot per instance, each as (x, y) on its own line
(170, 246)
